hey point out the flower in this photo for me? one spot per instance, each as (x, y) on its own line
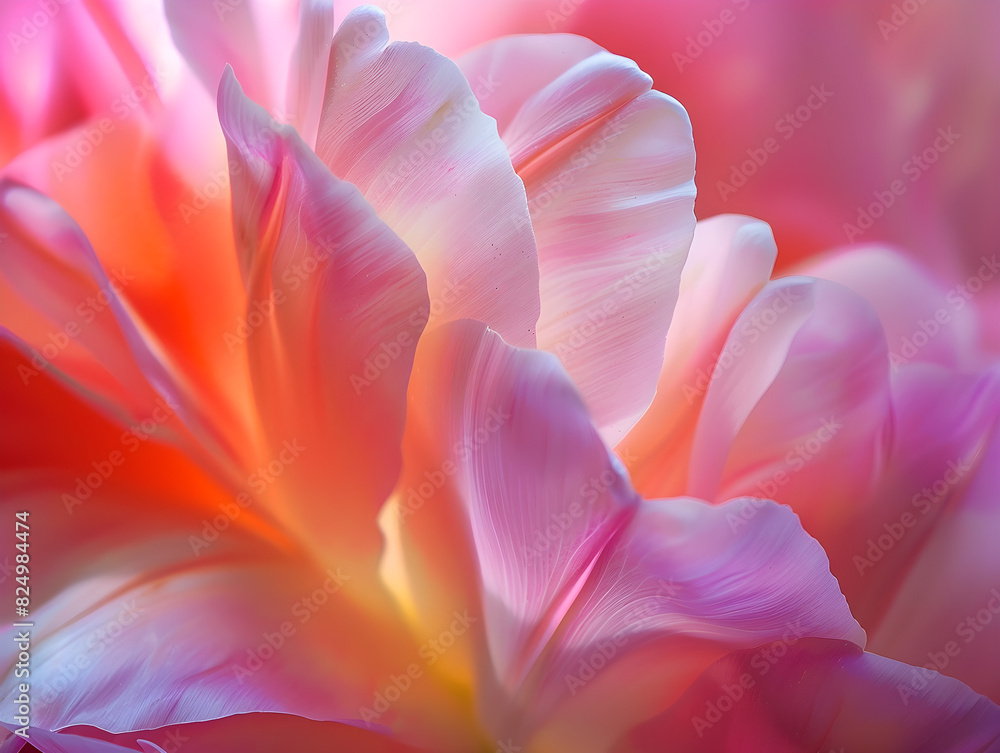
(357, 341)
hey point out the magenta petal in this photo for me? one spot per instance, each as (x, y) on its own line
(814, 696)
(923, 320)
(685, 583)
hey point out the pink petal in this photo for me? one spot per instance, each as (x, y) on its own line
(307, 74)
(518, 69)
(731, 259)
(526, 477)
(801, 393)
(928, 561)
(816, 696)
(338, 298)
(513, 514)
(923, 320)
(418, 147)
(684, 584)
(609, 168)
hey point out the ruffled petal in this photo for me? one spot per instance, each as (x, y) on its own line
(515, 68)
(684, 584)
(515, 535)
(609, 170)
(402, 124)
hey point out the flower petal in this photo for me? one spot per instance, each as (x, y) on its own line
(504, 435)
(925, 562)
(609, 170)
(730, 261)
(821, 695)
(401, 123)
(307, 74)
(923, 321)
(338, 297)
(60, 297)
(684, 584)
(517, 67)
(233, 734)
(512, 513)
(213, 35)
(800, 393)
